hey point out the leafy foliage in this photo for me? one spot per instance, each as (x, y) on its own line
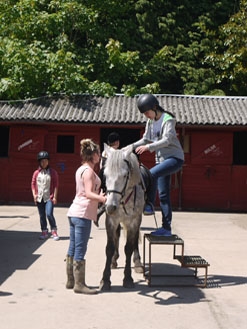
(229, 59)
(105, 47)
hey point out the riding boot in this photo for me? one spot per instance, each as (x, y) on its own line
(100, 212)
(69, 270)
(80, 286)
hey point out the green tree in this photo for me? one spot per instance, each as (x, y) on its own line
(104, 47)
(177, 37)
(229, 60)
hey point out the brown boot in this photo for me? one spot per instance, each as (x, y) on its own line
(69, 270)
(80, 286)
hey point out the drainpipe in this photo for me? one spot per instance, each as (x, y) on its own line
(181, 173)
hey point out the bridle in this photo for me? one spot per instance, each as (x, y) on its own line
(123, 200)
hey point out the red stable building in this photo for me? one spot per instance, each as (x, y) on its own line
(212, 130)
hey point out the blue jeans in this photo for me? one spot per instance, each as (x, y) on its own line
(46, 211)
(80, 229)
(161, 174)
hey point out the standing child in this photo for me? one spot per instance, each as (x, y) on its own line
(44, 187)
(81, 214)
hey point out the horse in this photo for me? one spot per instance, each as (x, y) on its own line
(124, 206)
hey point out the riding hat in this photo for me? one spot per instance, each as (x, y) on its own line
(146, 102)
(43, 155)
(113, 137)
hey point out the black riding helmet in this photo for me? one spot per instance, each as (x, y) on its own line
(43, 155)
(146, 102)
(112, 138)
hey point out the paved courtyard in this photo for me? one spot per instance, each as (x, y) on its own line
(32, 277)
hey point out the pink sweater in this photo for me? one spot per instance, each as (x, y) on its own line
(82, 207)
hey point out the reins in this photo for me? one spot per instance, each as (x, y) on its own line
(126, 201)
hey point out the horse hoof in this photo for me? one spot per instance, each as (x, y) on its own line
(139, 269)
(105, 286)
(128, 284)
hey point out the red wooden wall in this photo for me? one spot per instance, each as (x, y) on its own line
(208, 180)
(25, 143)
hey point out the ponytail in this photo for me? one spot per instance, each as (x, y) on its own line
(160, 109)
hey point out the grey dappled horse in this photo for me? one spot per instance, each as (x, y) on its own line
(125, 202)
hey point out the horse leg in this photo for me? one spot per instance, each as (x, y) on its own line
(138, 266)
(105, 284)
(128, 281)
(116, 252)
(129, 247)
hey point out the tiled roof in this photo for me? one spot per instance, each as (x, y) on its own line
(188, 110)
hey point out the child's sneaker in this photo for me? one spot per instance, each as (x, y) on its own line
(161, 232)
(54, 235)
(44, 235)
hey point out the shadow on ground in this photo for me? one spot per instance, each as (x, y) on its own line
(176, 285)
(17, 250)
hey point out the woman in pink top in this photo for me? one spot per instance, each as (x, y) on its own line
(81, 214)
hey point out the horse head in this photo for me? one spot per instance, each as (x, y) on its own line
(121, 175)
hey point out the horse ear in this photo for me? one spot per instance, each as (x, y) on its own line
(127, 150)
(107, 149)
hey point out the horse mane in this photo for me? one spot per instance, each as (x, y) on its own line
(113, 161)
